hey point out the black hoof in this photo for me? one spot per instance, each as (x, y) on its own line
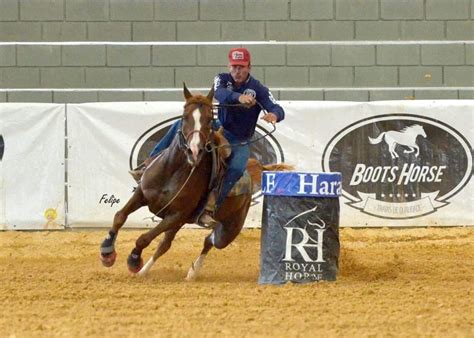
(135, 263)
(108, 244)
(109, 259)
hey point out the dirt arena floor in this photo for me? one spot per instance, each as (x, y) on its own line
(411, 282)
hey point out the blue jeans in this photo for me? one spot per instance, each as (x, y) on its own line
(236, 163)
(165, 142)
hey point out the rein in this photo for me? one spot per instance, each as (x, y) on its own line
(174, 197)
(183, 143)
(241, 144)
(209, 147)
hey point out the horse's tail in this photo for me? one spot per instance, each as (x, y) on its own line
(255, 169)
(377, 139)
(278, 167)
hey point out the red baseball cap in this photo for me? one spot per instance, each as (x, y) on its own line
(239, 57)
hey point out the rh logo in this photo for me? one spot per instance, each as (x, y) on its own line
(301, 240)
(304, 247)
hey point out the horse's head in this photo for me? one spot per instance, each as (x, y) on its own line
(420, 130)
(197, 124)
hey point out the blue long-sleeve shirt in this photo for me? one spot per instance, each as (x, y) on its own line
(241, 121)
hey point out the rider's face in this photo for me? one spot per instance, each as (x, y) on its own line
(239, 73)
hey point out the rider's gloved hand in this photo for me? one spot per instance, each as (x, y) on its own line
(247, 100)
(270, 118)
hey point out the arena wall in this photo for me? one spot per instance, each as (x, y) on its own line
(68, 51)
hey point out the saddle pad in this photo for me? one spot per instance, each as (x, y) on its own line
(243, 186)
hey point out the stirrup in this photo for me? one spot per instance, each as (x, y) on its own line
(207, 220)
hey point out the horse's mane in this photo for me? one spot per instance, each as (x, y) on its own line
(414, 126)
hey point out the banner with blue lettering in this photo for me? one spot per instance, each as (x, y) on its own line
(300, 227)
(301, 184)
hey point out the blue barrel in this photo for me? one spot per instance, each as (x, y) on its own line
(300, 227)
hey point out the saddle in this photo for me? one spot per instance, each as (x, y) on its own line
(221, 152)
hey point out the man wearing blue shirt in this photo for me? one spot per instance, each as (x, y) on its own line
(239, 122)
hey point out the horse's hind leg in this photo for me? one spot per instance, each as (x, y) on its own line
(391, 148)
(197, 264)
(169, 223)
(107, 248)
(223, 234)
(163, 247)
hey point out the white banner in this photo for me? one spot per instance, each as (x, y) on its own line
(102, 140)
(32, 166)
(404, 163)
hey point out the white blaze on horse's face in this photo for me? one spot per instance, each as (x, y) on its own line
(196, 139)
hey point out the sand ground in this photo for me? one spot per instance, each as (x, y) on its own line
(392, 282)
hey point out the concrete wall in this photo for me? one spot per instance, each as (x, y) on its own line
(230, 20)
(331, 49)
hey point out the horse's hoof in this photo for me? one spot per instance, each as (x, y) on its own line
(135, 263)
(109, 259)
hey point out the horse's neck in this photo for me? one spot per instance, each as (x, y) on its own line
(175, 160)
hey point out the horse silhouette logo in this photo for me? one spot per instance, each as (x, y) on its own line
(406, 137)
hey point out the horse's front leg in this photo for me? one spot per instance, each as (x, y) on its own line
(169, 223)
(107, 248)
(163, 247)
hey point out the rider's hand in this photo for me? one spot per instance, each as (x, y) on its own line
(247, 100)
(270, 118)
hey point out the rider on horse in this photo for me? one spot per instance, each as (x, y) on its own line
(238, 94)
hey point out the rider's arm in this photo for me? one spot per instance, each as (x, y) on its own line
(265, 97)
(221, 93)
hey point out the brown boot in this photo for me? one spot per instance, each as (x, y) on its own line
(206, 219)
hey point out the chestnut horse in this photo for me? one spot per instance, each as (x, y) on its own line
(175, 184)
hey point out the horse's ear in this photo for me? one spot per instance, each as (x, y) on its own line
(187, 93)
(210, 96)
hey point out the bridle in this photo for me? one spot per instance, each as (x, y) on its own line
(209, 144)
(183, 144)
(184, 138)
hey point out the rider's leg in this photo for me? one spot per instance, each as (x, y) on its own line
(164, 143)
(166, 140)
(236, 165)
